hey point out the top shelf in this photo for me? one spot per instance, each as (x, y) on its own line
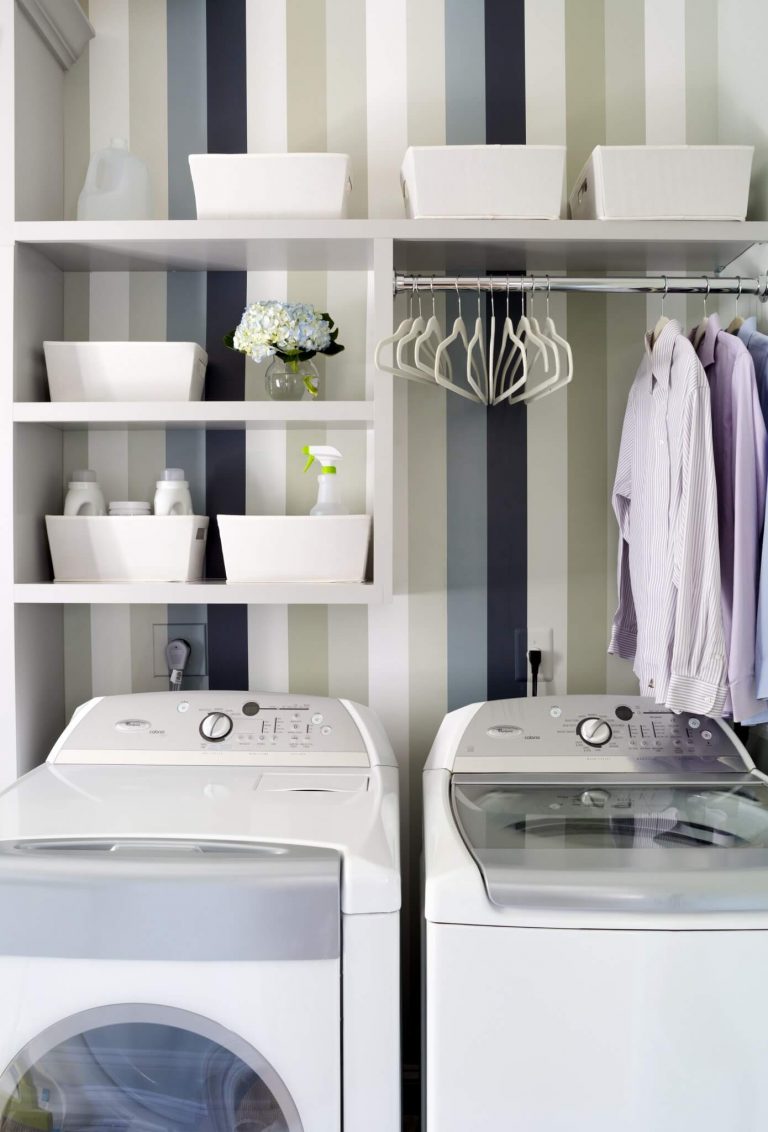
(419, 245)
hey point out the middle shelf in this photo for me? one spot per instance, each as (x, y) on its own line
(194, 414)
(197, 593)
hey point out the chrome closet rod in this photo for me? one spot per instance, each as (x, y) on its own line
(641, 285)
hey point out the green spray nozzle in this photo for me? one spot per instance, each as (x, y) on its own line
(326, 456)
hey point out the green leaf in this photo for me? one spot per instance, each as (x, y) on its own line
(334, 348)
(327, 318)
(229, 340)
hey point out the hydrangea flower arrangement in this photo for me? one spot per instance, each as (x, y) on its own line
(294, 332)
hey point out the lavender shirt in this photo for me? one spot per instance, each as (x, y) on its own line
(739, 444)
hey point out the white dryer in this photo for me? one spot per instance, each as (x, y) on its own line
(596, 904)
(199, 911)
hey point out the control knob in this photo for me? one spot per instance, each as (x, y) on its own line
(595, 732)
(215, 726)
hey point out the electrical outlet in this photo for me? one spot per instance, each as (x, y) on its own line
(198, 641)
(526, 639)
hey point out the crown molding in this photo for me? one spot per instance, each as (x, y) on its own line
(62, 25)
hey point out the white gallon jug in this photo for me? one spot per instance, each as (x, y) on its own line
(116, 186)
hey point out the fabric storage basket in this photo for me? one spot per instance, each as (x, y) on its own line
(295, 548)
(125, 371)
(108, 548)
(484, 181)
(664, 182)
(274, 186)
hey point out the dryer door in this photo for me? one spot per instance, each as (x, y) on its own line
(143, 1069)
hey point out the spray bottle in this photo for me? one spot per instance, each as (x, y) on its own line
(328, 500)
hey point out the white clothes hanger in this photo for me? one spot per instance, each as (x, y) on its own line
(508, 337)
(736, 323)
(524, 327)
(559, 379)
(460, 333)
(701, 329)
(425, 346)
(392, 340)
(417, 326)
(477, 371)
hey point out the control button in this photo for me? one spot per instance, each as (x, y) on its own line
(294, 727)
(707, 735)
(295, 715)
(183, 706)
(645, 743)
(133, 725)
(622, 804)
(504, 731)
(695, 724)
(251, 708)
(317, 717)
(555, 805)
(677, 742)
(624, 712)
(326, 730)
(594, 798)
(215, 726)
(555, 712)
(244, 737)
(595, 732)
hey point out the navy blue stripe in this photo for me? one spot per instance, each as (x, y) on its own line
(225, 379)
(506, 426)
(225, 39)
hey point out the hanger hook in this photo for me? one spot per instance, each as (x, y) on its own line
(533, 291)
(549, 286)
(478, 297)
(738, 295)
(458, 294)
(664, 294)
(507, 296)
(706, 294)
(432, 292)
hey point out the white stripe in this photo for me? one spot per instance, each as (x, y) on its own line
(109, 73)
(268, 648)
(111, 649)
(665, 72)
(545, 72)
(387, 77)
(266, 76)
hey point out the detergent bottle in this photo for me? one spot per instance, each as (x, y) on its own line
(116, 186)
(328, 499)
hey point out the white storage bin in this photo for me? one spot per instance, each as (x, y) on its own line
(664, 182)
(484, 181)
(127, 549)
(295, 548)
(239, 186)
(125, 371)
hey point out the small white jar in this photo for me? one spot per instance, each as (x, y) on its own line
(172, 496)
(128, 508)
(84, 496)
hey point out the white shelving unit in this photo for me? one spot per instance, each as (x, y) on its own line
(194, 414)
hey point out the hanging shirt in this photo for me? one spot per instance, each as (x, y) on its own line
(739, 445)
(665, 499)
(757, 344)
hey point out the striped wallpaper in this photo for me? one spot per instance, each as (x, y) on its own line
(502, 518)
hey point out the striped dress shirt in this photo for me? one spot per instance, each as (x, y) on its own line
(669, 617)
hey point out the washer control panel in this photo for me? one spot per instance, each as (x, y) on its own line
(234, 728)
(593, 733)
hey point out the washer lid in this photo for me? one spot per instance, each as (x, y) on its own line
(622, 845)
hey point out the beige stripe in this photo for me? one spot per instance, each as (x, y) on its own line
(426, 72)
(308, 649)
(625, 329)
(346, 301)
(701, 110)
(109, 73)
(143, 621)
(386, 102)
(545, 72)
(585, 81)
(347, 128)
(148, 70)
(110, 649)
(587, 493)
(348, 652)
(306, 77)
(625, 72)
(77, 657)
(147, 306)
(77, 306)
(266, 75)
(77, 147)
(665, 72)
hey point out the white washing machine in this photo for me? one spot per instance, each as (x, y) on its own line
(596, 900)
(199, 910)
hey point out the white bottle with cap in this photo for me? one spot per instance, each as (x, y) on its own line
(117, 186)
(172, 496)
(84, 496)
(328, 498)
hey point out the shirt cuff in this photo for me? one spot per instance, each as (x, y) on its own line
(746, 706)
(623, 642)
(693, 694)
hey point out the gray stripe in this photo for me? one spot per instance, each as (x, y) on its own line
(187, 101)
(464, 72)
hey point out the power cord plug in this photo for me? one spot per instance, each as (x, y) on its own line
(534, 659)
(177, 653)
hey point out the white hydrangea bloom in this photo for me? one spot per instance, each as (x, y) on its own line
(291, 328)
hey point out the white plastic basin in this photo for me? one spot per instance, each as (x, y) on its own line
(125, 371)
(295, 548)
(239, 186)
(110, 548)
(484, 181)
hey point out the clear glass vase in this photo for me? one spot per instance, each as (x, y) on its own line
(291, 380)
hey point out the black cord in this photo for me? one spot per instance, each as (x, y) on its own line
(534, 657)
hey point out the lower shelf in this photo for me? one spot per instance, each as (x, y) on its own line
(197, 593)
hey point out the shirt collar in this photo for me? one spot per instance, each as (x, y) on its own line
(747, 330)
(660, 352)
(706, 347)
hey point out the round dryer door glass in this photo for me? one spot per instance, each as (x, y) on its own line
(148, 1069)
